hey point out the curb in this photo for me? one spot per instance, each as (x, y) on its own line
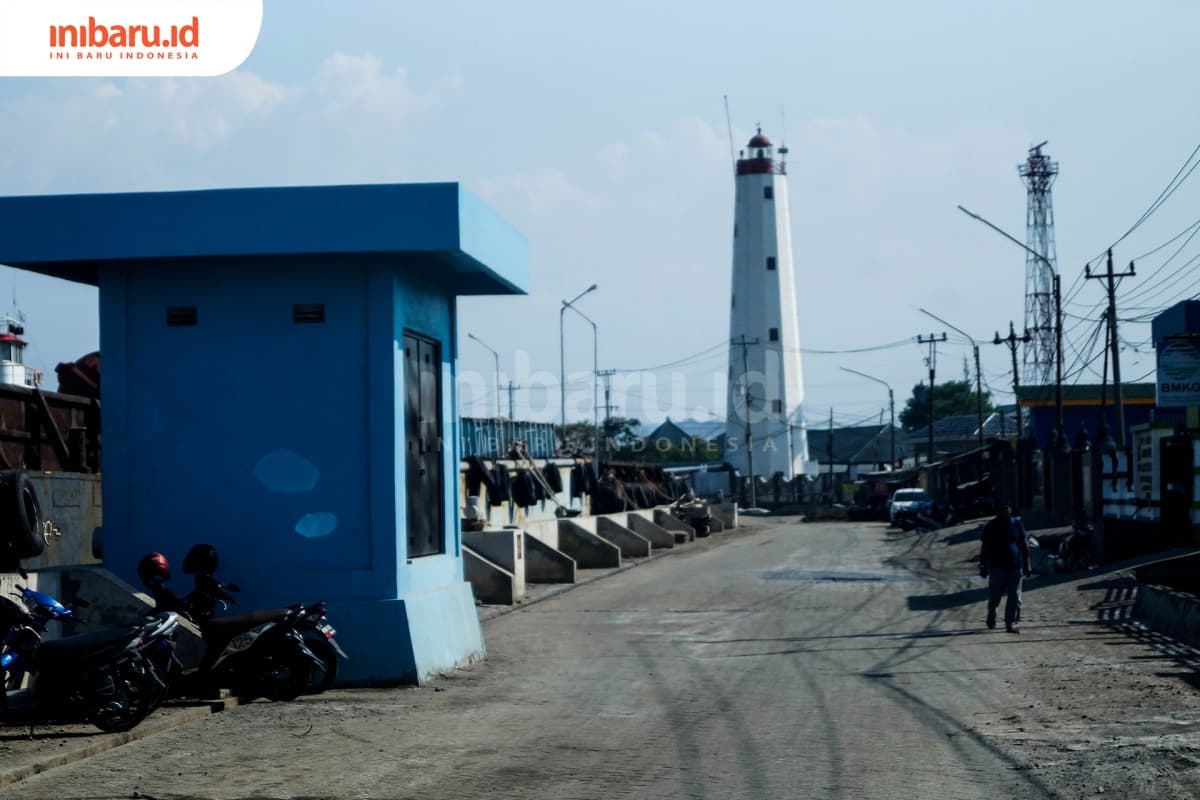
(104, 742)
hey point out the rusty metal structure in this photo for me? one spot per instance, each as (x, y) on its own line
(48, 431)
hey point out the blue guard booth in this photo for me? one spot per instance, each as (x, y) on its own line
(278, 381)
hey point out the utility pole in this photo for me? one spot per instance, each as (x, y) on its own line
(978, 374)
(1012, 340)
(606, 375)
(511, 389)
(1114, 342)
(745, 344)
(829, 450)
(932, 361)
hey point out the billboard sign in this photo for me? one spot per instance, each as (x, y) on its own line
(1178, 381)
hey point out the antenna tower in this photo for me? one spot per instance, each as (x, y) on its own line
(1038, 173)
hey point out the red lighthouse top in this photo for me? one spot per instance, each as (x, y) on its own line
(759, 157)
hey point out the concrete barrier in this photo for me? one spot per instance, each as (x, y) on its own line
(545, 564)
(665, 520)
(631, 544)
(589, 550)
(1169, 611)
(657, 535)
(505, 548)
(727, 513)
(490, 582)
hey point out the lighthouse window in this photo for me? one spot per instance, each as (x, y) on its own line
(777, 406)
(6, 351)
(773, 334)
(770, 262)
(769, 192)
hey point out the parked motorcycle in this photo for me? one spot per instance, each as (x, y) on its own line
(112, 677)
(932, 516)
(277, 653)
(1075, 548)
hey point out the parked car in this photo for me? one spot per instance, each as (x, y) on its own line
(904, 505)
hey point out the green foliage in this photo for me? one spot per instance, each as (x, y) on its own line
(697, 450)
(579, 437)
(950, 399)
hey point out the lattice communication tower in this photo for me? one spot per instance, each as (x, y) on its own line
(1039, 173)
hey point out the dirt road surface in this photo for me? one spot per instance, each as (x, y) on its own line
(784, 660)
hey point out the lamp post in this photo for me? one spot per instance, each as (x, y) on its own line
(891, 405)
(562, 357)
(497, 357)
(595, 369)
(978, 375)
(595, 388)
(1060, 439)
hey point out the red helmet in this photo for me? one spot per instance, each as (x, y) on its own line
(154, 566)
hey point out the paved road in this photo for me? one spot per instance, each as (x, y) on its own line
(791, 661)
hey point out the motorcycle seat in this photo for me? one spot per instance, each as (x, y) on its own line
(245, 621)
(92, 644)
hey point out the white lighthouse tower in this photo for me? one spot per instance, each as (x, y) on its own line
(764, 431)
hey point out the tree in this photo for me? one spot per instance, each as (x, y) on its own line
(950, 399)
(578, 437)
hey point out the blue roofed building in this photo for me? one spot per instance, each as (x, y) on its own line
(279, 382)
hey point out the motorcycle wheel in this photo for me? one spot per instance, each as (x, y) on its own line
(320, 679)
(130, 705)
(287, 675)
(1079, 561)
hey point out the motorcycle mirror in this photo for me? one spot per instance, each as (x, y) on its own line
(233, 587)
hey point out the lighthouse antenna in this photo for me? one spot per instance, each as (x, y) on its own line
(729, 127)
(783, 148)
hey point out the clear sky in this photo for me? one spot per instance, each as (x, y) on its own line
(599, 131)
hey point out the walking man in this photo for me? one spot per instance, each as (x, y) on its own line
(1004, 560)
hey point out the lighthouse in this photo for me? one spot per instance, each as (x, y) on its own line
(764, 432)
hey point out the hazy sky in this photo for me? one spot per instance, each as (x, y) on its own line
(598, 130)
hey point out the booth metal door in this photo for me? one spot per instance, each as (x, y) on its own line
(423, 439)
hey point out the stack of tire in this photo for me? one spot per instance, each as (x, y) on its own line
(21, 534)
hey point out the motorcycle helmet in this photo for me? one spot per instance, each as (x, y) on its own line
(200, 560)
(154, 567)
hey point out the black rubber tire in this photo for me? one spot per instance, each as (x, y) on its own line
(288, 676)
(321, 680)
(20, 516)
(149, 696)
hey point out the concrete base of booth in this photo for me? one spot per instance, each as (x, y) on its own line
(409, 639)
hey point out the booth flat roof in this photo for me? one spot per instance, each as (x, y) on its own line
(437, 229)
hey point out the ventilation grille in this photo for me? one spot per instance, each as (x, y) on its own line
(181, 315)
(308, 313)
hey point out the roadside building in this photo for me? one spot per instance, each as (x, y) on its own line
(280, 383)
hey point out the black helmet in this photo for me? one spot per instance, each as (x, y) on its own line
(154, 566)
(200, 560)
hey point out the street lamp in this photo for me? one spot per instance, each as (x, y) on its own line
(595, 368)
(891, 405)
(1060, 439)
(595, 389)
(497, 357)
(562, 357)
(978, 376)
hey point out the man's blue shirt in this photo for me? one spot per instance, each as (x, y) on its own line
(1004, 545)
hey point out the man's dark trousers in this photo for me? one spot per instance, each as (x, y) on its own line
(1002, 582)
